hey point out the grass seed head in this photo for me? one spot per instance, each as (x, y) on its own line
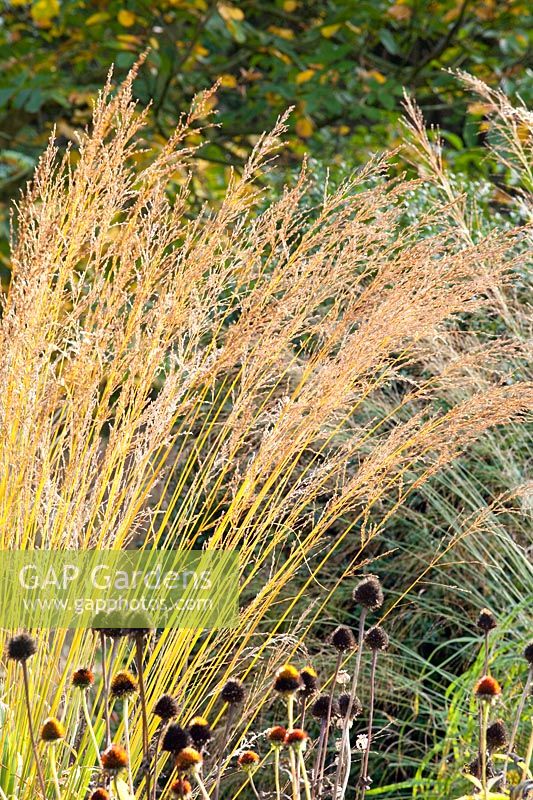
(52, 730)
(368, 593)
(167, 707)
(21, 647)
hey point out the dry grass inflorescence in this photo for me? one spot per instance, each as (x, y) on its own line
(200, 381)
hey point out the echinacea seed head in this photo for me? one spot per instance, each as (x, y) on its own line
(287, 680)
(296, 738)
(100, 794)
(175, 739)
(343, 639)
(276, 735)
(82, 678)
(233, 692)
(52, 730)
(309, 680)
(368, 593)
(199, 731)
(21, 647)
(376, 638)
(181, 789)
(248, 760)
(486, 620)
(114, 758)
(188, 760)
(123, 684)
(497, 736)
(320, 707)
(344, 705)
(528, 652)
(166, 707)
(487, 688)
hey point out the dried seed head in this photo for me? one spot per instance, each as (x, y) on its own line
(166, 707)
(114, 758)
(21, 647)
(175, 739)
(287, 680)
(497, 736)
(233, 692)
(82, 678)
(276, 735)
(309, 680)
(344, 704)
(123, 684)
(181, 789)
(248, 760)
(486, 620)
(487, 688)
(368, 593)
(343, 639)
(52, 730)
(199, 731)
(188, 760)
(528, 652)
(100, 794)
(376, 638)
(102, 624)
(296, 737)
(320, 707)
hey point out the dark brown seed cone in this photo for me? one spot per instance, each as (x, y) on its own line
(528, 652)
(114, 758)
(486, 620)
(319, 709)
(82, 678)
(233, 692)
(368, 593)
(100, 794)
(497, 736)
(167, 707)
(21, 647)
(175, 739)
(199, 731)
(287, 680)
(123, 684)
(376, 638)
(344, 704)
(474, 768)
(309, 680)
(343, 639)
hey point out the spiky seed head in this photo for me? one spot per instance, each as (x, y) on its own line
(320, 707)
(343, 639)
(276, 735)
(100, 794)
(486, 620)
(368, 593)
(487, 688)
(309, 680)
(233, 692)
(344, 705)
(175, 739)
(287, 680)
(199, 731)
(497, 736)
(376, 638)
(82, 678)
(188, 760)
(52, 730)
(167, 707)
(123, 684)
(296, 738)
(248, 760)
(21, 647)
(181, 789)
(114, 758)
(528, 652)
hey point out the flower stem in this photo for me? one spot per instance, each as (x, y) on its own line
(366, 756)
(292, 757)
(512, 738)
(252, 784)
(139, 640)
(305, 778)
(105, 677)
(276, 773)
(90, 728)
(31, 729)
(529, 753)
(126, 717)
(220, 757)
(53, 767)
(483, 747)
(201, 785)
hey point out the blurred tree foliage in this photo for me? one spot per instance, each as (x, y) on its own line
(342, 64)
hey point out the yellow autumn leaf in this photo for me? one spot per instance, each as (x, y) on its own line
(400, 12)
(378, 76)
(94, 19)
(290, 5)
(200, 50)
(344, 129)
(305, 76)
(283, 33)
(43, 10)
(230, 12)
(126, 18)
(228, 81)
(304, 127)
(478, 108)
(329, 30)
